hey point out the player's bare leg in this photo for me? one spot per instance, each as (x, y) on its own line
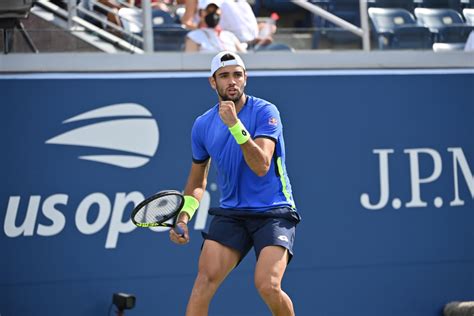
(269, 271)
(215, 263)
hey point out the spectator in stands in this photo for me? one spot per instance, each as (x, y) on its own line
(190, 19)
(236, 17)
(209, 37)
(155, 4)
(115, 6)
(112, 14)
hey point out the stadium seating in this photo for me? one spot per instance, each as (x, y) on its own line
(467, 3)
(445, 4)
(160, 17)
(275, 5)
(447, 25)
(167, 35)
(274, 47)
(347, 10)
(404, 4)
(398, 29)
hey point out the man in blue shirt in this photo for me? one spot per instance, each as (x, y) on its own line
(243, 137)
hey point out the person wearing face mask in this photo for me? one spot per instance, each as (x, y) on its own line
(210, 37)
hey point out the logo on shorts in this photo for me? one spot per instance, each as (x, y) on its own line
(283, 238)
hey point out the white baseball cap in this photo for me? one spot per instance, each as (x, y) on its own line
(217, 63)
(202, 4)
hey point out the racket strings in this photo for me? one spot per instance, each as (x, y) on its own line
(159, 209)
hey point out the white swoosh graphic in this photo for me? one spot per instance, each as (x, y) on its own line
(118, 160)
(138, 136)
(122, 109)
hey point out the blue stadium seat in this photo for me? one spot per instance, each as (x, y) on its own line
(160, 17)
(444, 4)
(170, 37)
(277, 5)
(446, 24)
(167, 34)
(274, 47)
(344, 9)
(397, 29)
(467, 3)
(404, 4)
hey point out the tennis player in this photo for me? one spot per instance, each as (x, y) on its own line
(243, 137)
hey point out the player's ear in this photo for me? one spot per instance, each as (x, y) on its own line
(212, 82)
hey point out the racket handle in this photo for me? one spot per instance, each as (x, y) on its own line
(178, 230)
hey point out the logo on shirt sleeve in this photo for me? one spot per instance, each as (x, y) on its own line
(273, 121)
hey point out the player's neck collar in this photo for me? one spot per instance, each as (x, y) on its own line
(244, 103)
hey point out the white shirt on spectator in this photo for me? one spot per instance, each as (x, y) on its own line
(209, 40)
(237, 17)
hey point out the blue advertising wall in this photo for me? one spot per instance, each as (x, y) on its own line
(381, 164)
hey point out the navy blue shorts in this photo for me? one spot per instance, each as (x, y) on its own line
(242, 230)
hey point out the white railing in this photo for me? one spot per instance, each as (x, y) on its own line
(147, 27)
(73, 20)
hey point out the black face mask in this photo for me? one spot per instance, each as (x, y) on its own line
(212, 19)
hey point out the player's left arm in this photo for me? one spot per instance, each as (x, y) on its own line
(257, 151)
(258, 154)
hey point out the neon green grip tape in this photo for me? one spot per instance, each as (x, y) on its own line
(190, 205)
(240, 133)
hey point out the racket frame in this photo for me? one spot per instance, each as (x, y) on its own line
(160, 223)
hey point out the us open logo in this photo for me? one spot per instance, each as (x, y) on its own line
(134, 139)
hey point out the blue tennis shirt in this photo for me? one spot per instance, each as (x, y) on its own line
(240, 187)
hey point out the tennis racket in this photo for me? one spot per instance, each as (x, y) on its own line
(157, 209)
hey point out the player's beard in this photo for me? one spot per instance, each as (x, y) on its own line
(225, 97)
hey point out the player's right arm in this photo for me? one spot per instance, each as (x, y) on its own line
(197, 182)
(195, 187)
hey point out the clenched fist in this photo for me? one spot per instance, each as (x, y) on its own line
(228, 113)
